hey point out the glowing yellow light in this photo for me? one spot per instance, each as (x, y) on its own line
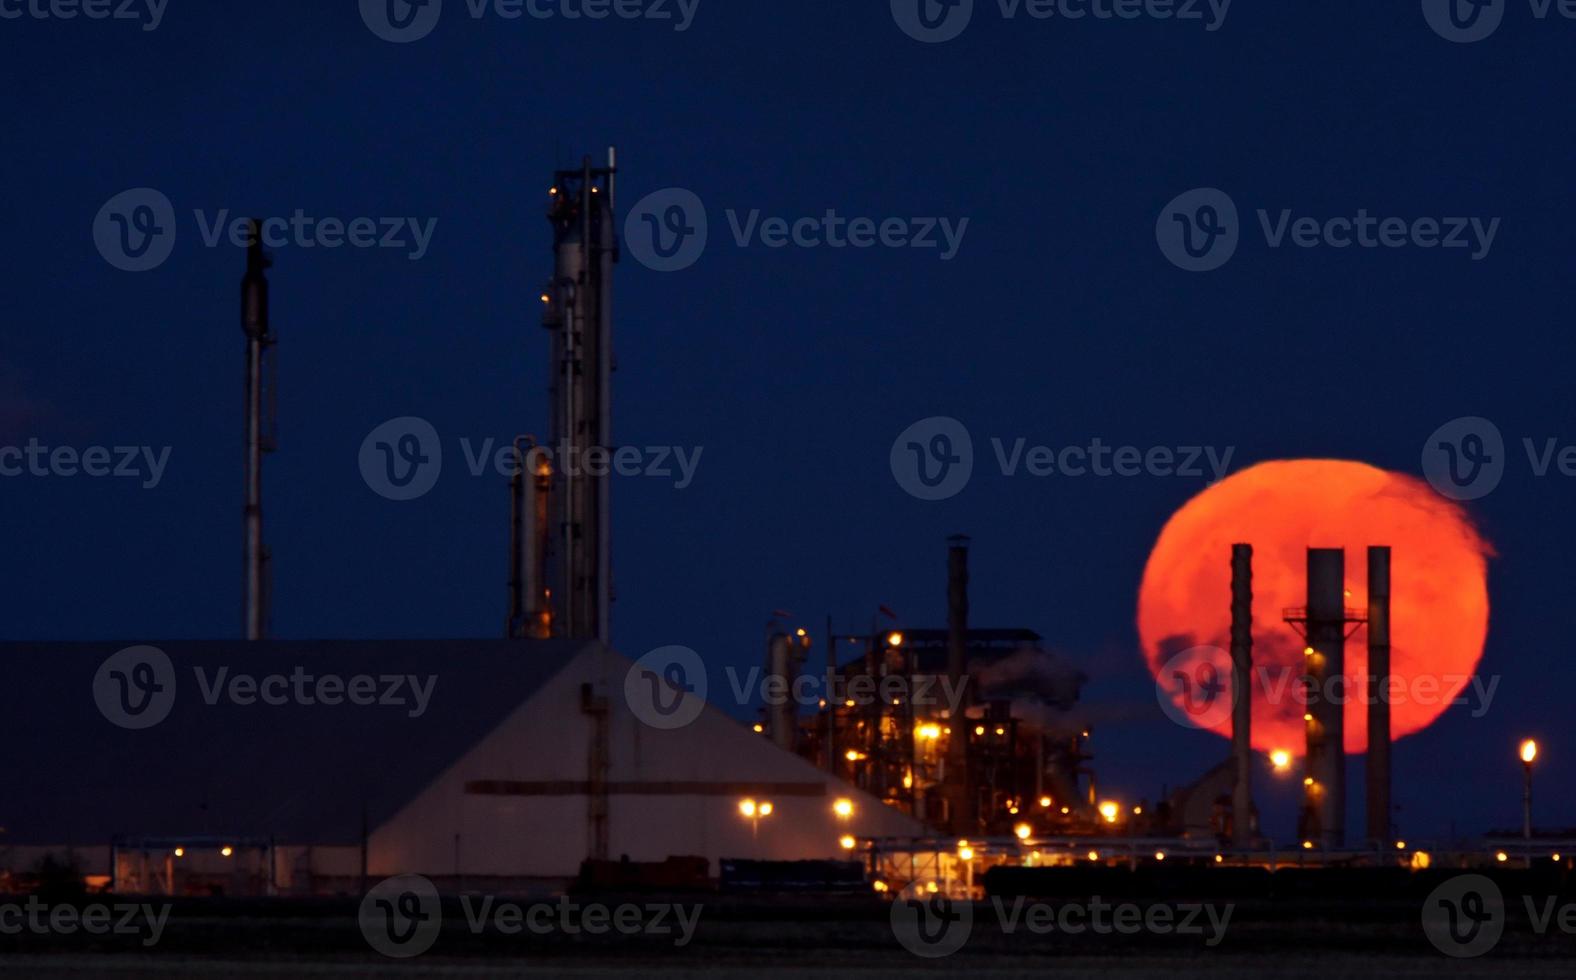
(847, 841)
(929, 731)
(966, 853)
(1421, 860)
(1022, 831)
(546, 298)
(747, 807)
(180, 852)
(1307, 780)
(766, 809)
(1045, 802)
(226, 850)
(1109, 810)
(1308, 651)
(1307, 717)
(1501, 856)
(1001, 731)
(1280, 759)
(1066, 810)
(1138, 811)
(759, 728)
(930, 886)
(853, 755)
(879, 885)
(1160, 855)
(1013, 810)
(800, 632)
(843, 807)
(849, 703)
(979, 729)
(1529, 751)
(1094, 855)
(894, 639)
(1556, 857)
(1307, 845)
(1400, 845)
(1219, 858)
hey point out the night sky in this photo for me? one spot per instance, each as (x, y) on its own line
(1058, 321)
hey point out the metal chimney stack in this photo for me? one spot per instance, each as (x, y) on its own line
(528, 492)
(960, 794)
(781, 718)
(1378, 768)
(578, 308)
(1242, 694)
(254, 323)
(1325, 794)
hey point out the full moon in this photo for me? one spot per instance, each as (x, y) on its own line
(1439, 591)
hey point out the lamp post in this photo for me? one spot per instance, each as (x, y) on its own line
(1529, 751)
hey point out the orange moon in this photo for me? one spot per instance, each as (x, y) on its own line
(1439, 590)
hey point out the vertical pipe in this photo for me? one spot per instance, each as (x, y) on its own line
(1325, 796)
(779, 713)
(607, 254)
(829, 690)
(1378, 769)
(960, 793)
(254, 323)
(1242, 694)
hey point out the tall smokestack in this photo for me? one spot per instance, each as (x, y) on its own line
(528, 491)
(254, 323)
(960, 794)
(1325, 796)
(578, 310)
(780, 714)
(1378, 768)
(1242, 694)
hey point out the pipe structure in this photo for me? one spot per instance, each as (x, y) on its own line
(960, 794)
(1324, 795)
(1378, 768)
(578, 311)
(780, 713)
(254, 324)
(529, 617)
(1242, 694)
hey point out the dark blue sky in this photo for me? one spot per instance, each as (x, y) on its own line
(1058, 321)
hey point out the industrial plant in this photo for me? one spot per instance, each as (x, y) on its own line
(936, 756)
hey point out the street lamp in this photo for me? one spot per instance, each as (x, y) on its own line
(753, 812)
(1529, 751)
